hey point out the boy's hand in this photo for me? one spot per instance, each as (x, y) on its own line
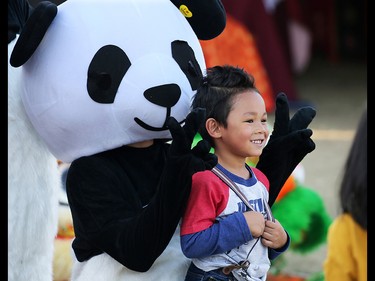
(255, 222)
(274, 235)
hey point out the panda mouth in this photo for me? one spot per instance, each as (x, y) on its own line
(149, 127)
(152, 128)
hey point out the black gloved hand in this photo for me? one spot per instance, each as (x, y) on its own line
(18, 13)
(289, 143)
(200, 157)
(183, 161)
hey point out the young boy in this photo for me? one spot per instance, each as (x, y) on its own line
(225, 239)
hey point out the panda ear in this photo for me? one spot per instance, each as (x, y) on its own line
(33, 32)
(206, 17)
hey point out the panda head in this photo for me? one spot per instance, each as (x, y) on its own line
(100, 74)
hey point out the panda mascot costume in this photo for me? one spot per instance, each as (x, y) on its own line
(107, 85)
(33, 178)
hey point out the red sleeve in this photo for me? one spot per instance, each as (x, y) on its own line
(261, 177)
(208, 198)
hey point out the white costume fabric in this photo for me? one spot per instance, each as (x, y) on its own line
(170, 266)
(33, 184)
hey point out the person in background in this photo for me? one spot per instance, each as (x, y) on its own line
(347, 236)
(230, 237)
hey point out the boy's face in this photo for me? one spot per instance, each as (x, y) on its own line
(247, 131)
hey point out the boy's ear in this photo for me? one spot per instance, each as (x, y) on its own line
(213, 128)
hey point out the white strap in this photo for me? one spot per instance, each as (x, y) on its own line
(238, 192)
(232, 185)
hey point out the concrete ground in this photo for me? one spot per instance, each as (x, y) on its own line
(338, 91)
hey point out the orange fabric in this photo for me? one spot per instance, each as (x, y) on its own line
(288, 186)
(236, 46)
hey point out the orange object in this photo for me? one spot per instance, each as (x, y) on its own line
(236, 46)
(288, 186)
(282, 277)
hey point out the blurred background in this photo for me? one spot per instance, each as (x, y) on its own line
(316, 52)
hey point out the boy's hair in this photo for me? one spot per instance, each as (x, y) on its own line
(218, 89)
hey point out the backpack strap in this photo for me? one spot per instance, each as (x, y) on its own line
(238, 192)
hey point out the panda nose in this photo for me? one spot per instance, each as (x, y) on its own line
(165, 95)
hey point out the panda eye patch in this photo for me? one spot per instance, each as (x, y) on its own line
(184, 55)
(103, 80)
(192, 69)
(106, 70)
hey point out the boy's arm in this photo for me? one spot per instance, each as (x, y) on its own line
(222, 236)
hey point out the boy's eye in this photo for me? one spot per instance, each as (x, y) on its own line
(264, 120)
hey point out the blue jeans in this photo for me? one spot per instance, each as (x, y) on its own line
(196, 274)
